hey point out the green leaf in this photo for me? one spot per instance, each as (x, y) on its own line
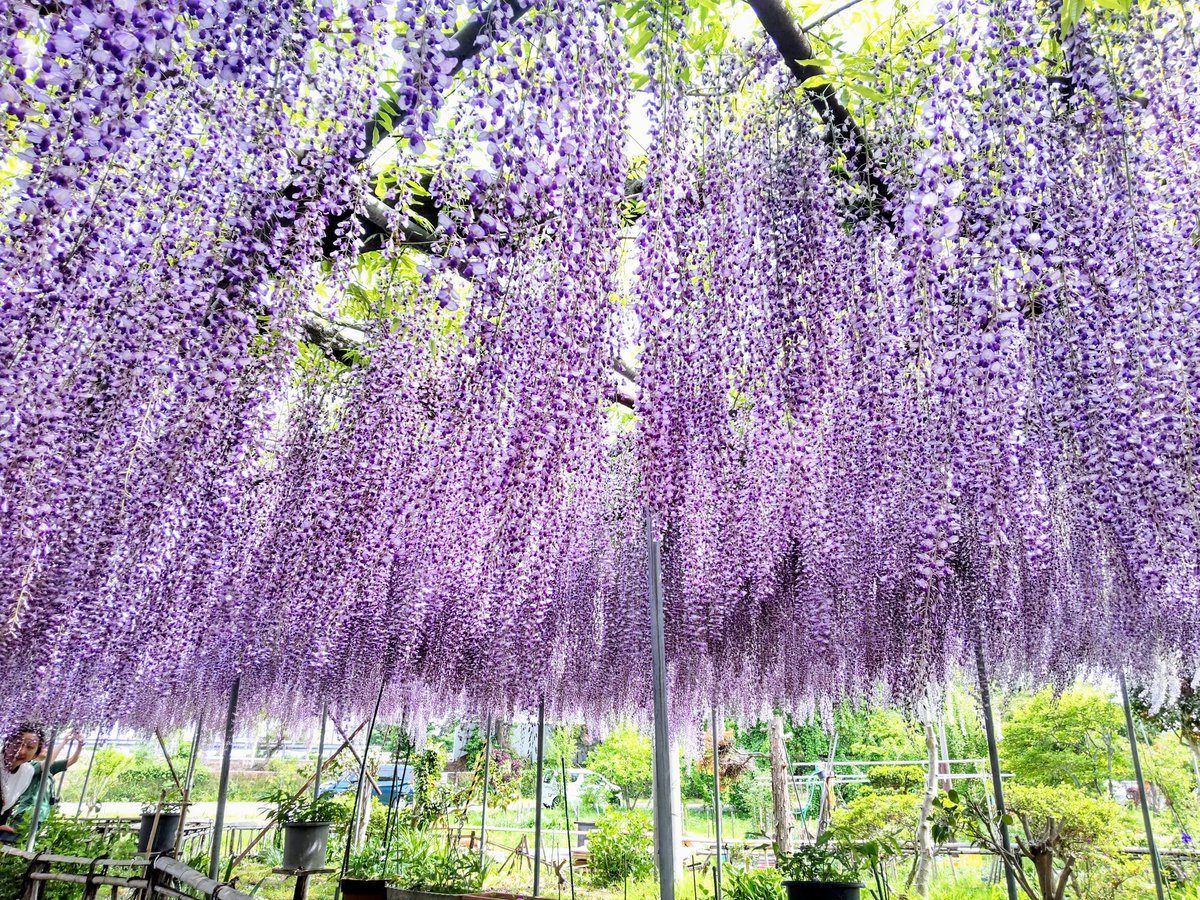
(1117, 6)
(1071, 11)
(815, 81)
(866, 92)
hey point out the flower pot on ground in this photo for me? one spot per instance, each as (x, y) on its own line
(823, 890)
(159, 826)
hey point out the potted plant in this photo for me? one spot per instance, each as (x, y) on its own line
(158, 827)
(305, 823)
(426, 869)
(832, 868)
(365, 874)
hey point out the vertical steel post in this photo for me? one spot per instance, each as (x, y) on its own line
(43, 783)
(716, 804)
(214, 852)
(989, 727)
(87, 776)
(320, 751)
(1142, 792)
(487, 766)
(537, 813)
(663, 823)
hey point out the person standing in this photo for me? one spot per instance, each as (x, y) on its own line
(22, 810)
(17, 771)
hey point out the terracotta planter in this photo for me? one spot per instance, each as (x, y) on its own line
(823, 890)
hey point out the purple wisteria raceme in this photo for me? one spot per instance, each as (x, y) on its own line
(866, 445)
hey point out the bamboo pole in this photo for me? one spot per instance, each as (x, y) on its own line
(362, 771)
(87, 776)
(537, 813)
(43, 783)
(716, 805)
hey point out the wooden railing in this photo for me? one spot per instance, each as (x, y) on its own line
(146, 879)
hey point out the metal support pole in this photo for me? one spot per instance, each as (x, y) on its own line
(214, 852)
(352, 825)
(716, 804)
(663, 824)
(989, 727)
(487, 766)
(1142, 792)
(320, 752)
(87, 776)
(537, 813)
(43, 783)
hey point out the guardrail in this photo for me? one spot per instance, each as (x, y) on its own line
(158, 876)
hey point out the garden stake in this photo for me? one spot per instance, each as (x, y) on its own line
(214, 854)
(567, 813)
(663, 824)
(43, 781)
(716, 809)
(62, 778)
(989, 727)
(320, 752)
(537, 813)
(487, 765)
(362, 777)
(1142, 792)
(170, 765)
(87, 776)
(189, 781)
(393, 813)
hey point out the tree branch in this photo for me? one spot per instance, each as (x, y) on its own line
(847, 134)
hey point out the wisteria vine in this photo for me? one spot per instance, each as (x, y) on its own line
(867, 443)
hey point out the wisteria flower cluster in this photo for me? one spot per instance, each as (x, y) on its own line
(866, 444)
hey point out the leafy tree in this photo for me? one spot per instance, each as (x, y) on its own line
(1076, 738)
(1057, 833)
(563, 743)
(625, 758)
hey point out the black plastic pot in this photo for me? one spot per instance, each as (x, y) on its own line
(364, 889)
(823, 890)
(305, 845)
(164, 832)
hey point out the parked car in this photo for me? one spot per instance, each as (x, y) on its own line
(582, 784)
(389, 778)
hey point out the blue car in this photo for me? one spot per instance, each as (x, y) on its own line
(392, 780)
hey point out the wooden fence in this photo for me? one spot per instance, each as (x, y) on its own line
(126, 879)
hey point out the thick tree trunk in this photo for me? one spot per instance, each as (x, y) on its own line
(923, 867)
(779, 787)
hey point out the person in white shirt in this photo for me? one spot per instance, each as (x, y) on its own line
(21, 747)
